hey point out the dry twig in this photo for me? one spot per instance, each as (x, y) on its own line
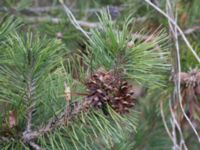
(73, 20)
(177, 27)
(174, 122)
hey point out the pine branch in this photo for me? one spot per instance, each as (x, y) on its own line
(30, 90)
(29, 119)
(112, 42)
(62, 119)
(35, 146)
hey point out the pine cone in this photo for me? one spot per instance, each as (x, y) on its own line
(107, 88)
(123, 98)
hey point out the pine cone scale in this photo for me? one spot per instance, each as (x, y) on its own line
(107, 88)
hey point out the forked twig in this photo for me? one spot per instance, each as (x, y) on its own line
(177, 27)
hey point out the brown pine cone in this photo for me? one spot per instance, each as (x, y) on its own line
(107, 88)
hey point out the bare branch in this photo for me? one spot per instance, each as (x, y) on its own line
(191, 30)
(55, 20)
(48, 9)
(178, 28)
(73, 20)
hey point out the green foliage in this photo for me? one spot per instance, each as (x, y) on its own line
(8, 25)
(27, 61)
(109, 48)
(187, 58)
(32, 74)
(25, 66)
(62, 31)
(151, 132)
(37, 59)
(90, 131)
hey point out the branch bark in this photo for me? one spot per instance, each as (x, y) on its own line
(63, 118)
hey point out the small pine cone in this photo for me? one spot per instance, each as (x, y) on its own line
(106, 88)
(99, 86)
(123, 98)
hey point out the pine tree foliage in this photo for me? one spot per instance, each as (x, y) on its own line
(8, 25)
(31, 70)
(26, 66)
(117, 49)
(54, 82)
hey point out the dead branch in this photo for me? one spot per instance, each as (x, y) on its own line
(35, 11)
(55, 20)
(178, 29)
